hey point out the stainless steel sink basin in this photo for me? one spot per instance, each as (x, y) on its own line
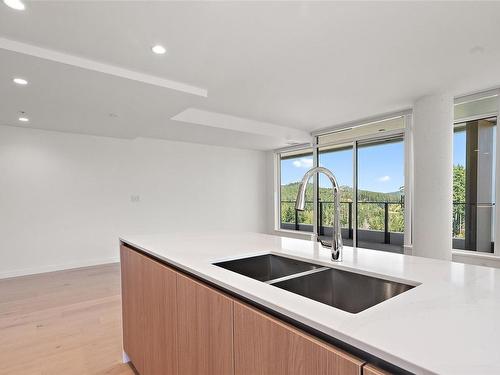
(267, 267)
(344, 290)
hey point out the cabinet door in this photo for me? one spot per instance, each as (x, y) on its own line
(149, 314)
(205, 329)
(370, 369)
(266, 346)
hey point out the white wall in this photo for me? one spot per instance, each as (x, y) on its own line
(65, 198)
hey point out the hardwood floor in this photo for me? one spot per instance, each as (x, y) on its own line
(66, 322)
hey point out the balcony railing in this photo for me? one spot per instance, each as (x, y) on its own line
(459, 215)
(380, 210)
(372, 216)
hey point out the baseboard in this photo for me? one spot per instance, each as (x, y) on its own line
(57, 267)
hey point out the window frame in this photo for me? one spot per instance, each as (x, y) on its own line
(408, 162)
(277, 189)
(405, 133)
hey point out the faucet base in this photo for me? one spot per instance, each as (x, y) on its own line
(325, 244)
(328, 245)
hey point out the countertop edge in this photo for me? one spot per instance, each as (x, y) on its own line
(388, 357)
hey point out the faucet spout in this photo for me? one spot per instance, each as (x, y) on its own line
(336, 246)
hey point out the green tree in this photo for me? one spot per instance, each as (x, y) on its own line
(370, 215)
(459, 185)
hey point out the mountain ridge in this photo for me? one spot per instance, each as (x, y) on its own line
(289, 193)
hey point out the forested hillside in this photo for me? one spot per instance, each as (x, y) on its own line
(371, 213)
(289, 193)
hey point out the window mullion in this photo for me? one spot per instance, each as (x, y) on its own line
(315, 191)
(355, 194)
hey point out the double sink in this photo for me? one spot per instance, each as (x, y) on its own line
(348, 291)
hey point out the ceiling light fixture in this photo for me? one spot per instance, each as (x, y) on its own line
(20, 81)
(24, 119)
(15, 4)
(158, 49)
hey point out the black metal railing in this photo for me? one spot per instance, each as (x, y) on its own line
(380, 216)
(459, 215)
(374, 219)
(458, 223)
(325, 216)
(290, 215)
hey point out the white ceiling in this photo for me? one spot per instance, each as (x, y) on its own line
(297, 65)
(64, 98)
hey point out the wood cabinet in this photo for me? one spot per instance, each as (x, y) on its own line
(173, 324)
(149, 313)
(264, 345)
(370, 369)
(205, 329)
(176, 325)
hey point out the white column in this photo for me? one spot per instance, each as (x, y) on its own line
(433, 176)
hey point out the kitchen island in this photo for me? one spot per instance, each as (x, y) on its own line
(220, 321)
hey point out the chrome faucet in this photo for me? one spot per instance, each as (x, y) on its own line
(336, 245)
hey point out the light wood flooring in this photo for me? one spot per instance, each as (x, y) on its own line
(66, 322)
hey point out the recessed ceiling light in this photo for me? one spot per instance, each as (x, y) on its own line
(20, 81)
(159, 49)
(24, 119)
(15, 4)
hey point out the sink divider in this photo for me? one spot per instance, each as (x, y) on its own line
(295, 275)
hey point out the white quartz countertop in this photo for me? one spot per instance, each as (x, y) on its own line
(449, 324)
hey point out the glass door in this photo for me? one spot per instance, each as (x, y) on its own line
(380, 180)
(338, 159)
(474, 155)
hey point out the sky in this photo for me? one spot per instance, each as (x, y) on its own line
(459, 148)
(380, 167)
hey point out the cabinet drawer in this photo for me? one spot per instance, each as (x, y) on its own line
(265, 345)
(149, 313)
(370, 369)
(205, 329)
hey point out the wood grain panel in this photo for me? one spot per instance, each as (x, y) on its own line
(149, 314)
(205, 328)
(266, 346)
(370, 369)
(132, 305)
